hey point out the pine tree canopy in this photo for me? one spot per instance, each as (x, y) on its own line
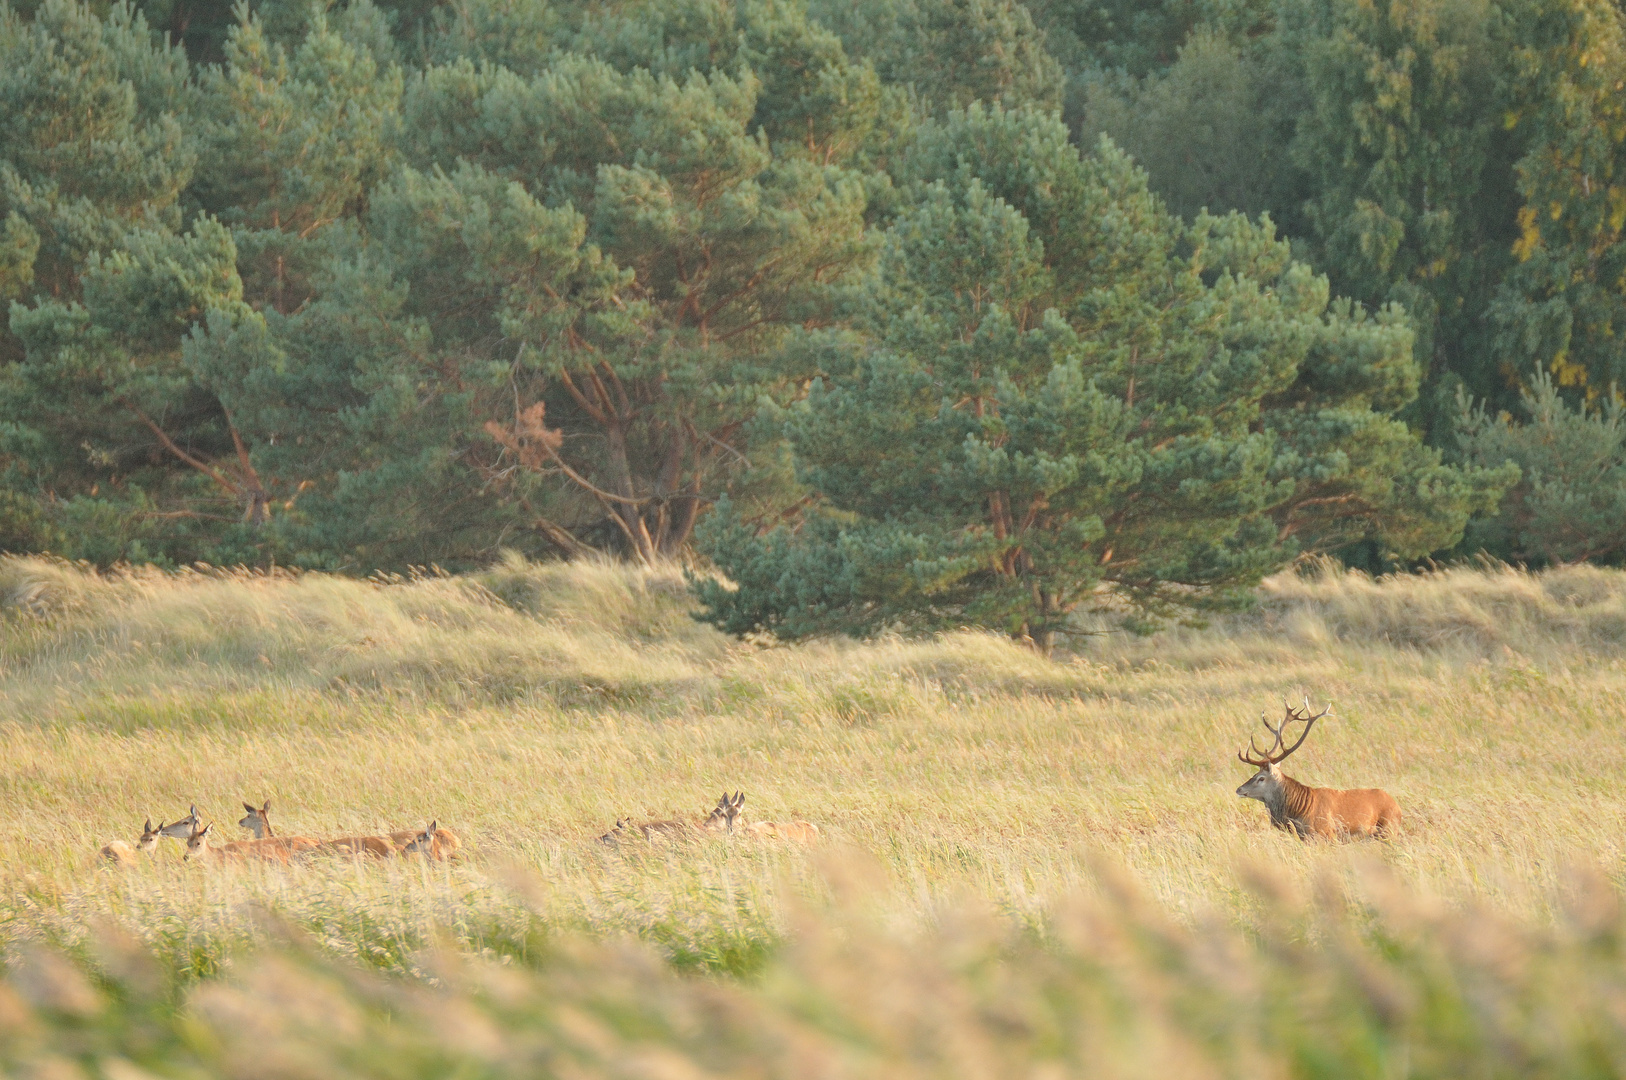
(902, 313)
(1060, 386)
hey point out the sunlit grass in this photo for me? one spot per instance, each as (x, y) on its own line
(530, 706)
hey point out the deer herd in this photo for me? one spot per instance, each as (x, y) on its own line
(433, 842)
(1326, 813)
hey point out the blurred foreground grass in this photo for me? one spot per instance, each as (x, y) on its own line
(955, 921)
(1384, 986)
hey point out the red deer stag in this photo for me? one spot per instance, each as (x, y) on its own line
(1312, 811)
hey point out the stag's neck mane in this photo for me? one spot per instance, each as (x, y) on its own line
(1289, 802)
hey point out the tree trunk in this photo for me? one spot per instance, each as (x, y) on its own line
(563, 539)
(630, 516)
(682, 512)
(1041, 639)
(258, 511)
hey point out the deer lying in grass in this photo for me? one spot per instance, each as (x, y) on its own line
(405, 838)
(258, 821)
(433, 843)
(197, 846)
(721, 819)
(1325, 812)
(784, 830)
(122, 854)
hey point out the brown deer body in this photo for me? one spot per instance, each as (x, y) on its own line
(376, 847)
(258, 821)
(1329, 813)
(197, 847)
(784, 830)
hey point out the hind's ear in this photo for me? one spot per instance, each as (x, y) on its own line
(148, 826)
(250, 807)
(433, 825)
(266, 807)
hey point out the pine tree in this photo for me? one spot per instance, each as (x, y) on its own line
(730, 243)
(1062, 387)
(951, 53)
(1570, 502)
(1562, 305)
(95, 156)
(1408, 157)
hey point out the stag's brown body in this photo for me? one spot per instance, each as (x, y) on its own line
(1332, 813)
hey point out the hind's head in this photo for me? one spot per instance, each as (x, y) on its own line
(257, 820)
(726, 811)
(184, 828)
(424, 842)
(198, 842)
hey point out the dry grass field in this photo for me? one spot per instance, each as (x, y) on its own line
(1025, 865)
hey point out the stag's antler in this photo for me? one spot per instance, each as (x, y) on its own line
(1270, 757)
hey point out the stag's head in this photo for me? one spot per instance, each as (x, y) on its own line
(1266, 783)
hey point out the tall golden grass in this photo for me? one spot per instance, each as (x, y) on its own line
(530, 706)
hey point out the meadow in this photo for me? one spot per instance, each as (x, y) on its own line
(1027, 867)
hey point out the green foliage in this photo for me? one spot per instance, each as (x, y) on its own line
(950, 53)
(92, 139)
(1563, 305)
(1457, 157)
(1570, 502)
(390, 283)
(1211, 130)
(1407, 154)
(1138, 37)
(1078, 392)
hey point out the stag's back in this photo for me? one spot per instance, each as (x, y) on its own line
(1339, 812)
